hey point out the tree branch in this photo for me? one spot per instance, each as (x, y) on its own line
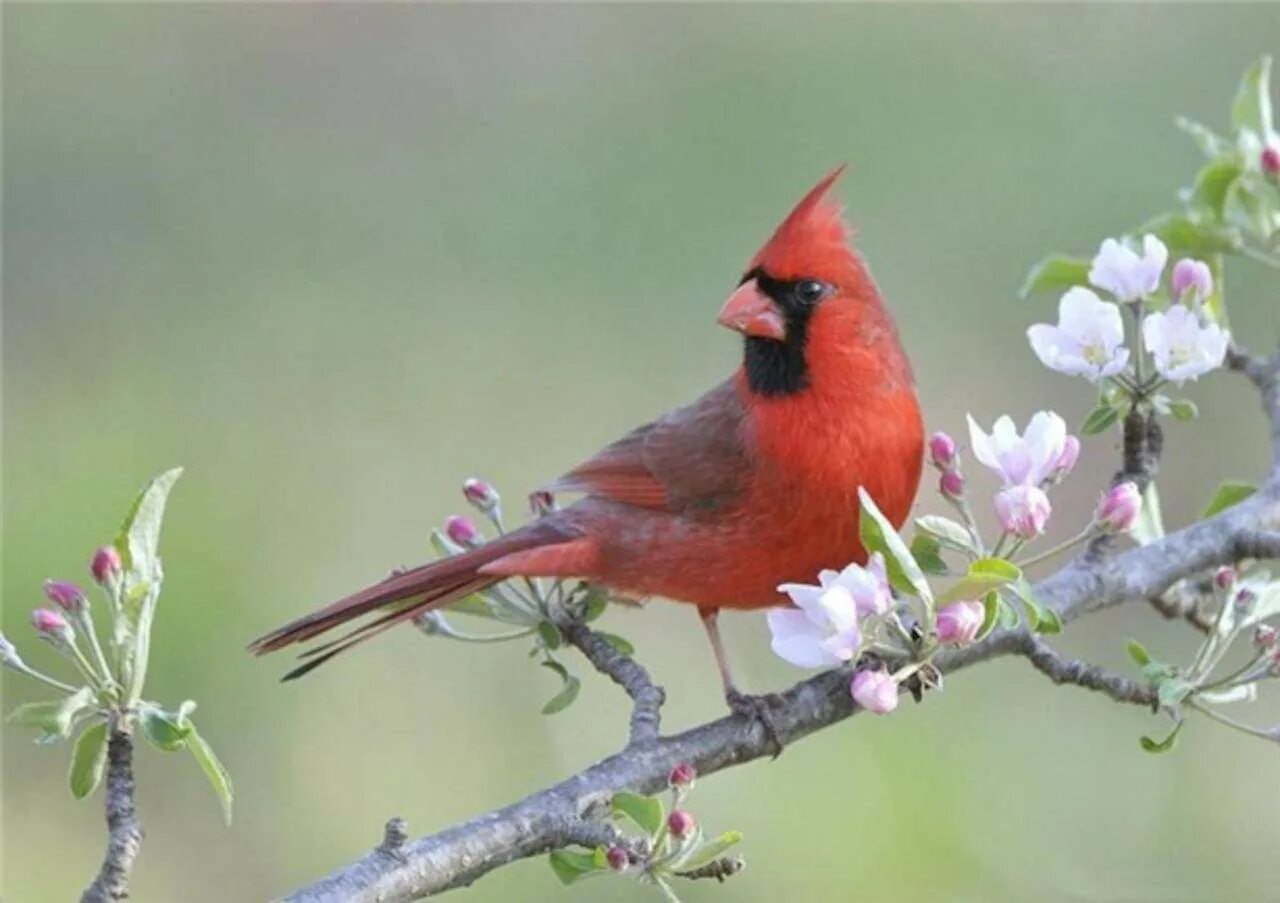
(562, 815)
(124, 833)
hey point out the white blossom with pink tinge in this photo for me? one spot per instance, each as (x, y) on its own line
(1182, 346)
(822, 630)
(1126, 274)
(1021, 460)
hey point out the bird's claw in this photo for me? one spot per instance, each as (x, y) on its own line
(758, 710)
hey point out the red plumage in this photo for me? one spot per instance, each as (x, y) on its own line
(754, 484)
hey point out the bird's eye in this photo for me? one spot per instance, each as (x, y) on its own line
(810, 291)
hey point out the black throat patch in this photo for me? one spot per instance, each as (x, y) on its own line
(778, 368)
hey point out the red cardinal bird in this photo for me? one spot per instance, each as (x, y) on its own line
(715, 504)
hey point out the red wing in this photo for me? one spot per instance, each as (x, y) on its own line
(694, 456)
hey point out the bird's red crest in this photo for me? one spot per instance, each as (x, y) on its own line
(812, 240)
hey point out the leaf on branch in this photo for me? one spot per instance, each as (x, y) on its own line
(570, 866)
(948, 532)
(983, 575)
(878, 535)
(621, 644)
(168, 731)
(1138, 652)
(568, 692)
(646, 811)
(213, 770)
(1161, 746)
(1228, 493)
(1251, 108)
(927, 552)
(710, 850)
(1099, 419)
(55, 717)
(88, 760)
(1055, 273)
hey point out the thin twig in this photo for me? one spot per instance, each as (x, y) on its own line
(124, 833)
(646, 696)
(1062, 670)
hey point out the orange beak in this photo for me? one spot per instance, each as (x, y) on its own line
(752, 312)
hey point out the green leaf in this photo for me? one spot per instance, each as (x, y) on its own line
(1251, 108)
(948, 532)
(991, 613)
(1099, 419)
(1228, 493)
(621, 644)
(138, 541)
(88, 760)
(646, 811)
(710, 850)
(1057, 272)
(1209, 191)
(1161, 746)
(983, 575)
(168, 731)
(1185, 235)
(568, 692)
(550, 634)
(1150, 523)
(570, 866)
(1138, 653)
(55, 717)
(594, 602)
(1184, 409)
(213, 769)
(1040, 618)
(927, 552)
(878, 535)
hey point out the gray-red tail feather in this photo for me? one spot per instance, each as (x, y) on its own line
(401, 597)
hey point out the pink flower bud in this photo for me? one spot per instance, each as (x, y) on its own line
(52, 626)
(1118, 510)
(1191, 280)
(1270, 160)
(1244, 600)
(1023, 511)
(67, 596)
(681, 823)
(959, 622)
(1224, 577)
(942, 451)
(461, 531)
(1265, 636)
(876, 691)
(618, 858)
(481, 495)
(683, 775)
(1067, 460)
(951, 485)
(105, 565)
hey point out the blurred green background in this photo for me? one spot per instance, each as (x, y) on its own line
(335, 259)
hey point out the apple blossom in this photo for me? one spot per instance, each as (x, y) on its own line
(868, 585)
(461, 531)
(1067, 460)
(1088, 340)
(1118, 509)
(618, 858)
(1269, 160)
(1026, 460)
(959, 622)
(105, 565)
(1118, 268)
(482, 495)
(822, 631)
(1265, 636)
(875, 690)
(1023, 510)
(1184, 348)
(681, 823)
(1224, 577)
(66, 595)
(682, 775)
(1192, 280)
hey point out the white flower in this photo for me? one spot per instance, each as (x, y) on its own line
(1088, 340)
(822, 630)
(1122, 272)
(1182, 346)
(1023, 511)
(1026, 460)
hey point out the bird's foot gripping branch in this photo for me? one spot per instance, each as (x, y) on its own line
(102, 706)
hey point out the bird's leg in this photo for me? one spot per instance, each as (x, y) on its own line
(755, 708)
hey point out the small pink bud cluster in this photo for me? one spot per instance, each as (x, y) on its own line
(618, 858)
(1265, 636)
(1244, 600)
(1023, 511)
(481, 495)
(875, 690)
(52, 626)
(461, 531)
(944, 455)
(681, 823)
(1224, 578)
(67, 596)
(1118, 510)
(958, 623)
